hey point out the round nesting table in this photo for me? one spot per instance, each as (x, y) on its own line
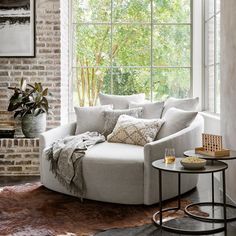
(211, 167)
(232, 156)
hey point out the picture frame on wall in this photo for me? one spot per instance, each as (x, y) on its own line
(17, 28)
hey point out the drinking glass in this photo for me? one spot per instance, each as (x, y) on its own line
(169, 155)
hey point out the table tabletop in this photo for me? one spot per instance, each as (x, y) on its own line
(176, 167)
(231, 156)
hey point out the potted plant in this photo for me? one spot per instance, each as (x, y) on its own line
(31, 104)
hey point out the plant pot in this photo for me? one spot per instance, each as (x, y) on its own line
(32, 126)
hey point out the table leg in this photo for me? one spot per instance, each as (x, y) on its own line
(179, 190)
(212, 189)
(160, 196)
(213, 194)
(224, 199)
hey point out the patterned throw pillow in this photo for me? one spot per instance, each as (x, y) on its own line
(135, 131)
(111, 118)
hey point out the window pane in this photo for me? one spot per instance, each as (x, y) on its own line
(211, 88)
(171, 82)
(117, 58)
(209, 8)
(92, 45)
(210, 47)
(91, 10)
(128, 81)
(131, 45)
(218, 38)
(172, 45)
(174, 11)
(218, 89)
(131, 10)
(74, 87)
(88, 82)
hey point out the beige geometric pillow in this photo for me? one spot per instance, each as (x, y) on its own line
(135, 131)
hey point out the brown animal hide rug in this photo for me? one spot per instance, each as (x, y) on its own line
(31, 209)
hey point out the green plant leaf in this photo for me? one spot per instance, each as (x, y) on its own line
(37, 111)
(30, 85)
(17, 113)
(40, 87)
(36, 85)
(28, 100)
(45, 92)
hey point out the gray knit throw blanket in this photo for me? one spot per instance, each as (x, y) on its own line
(66, 157)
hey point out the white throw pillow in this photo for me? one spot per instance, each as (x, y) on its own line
(135, 131)
(151, 110)
(175, 120)
(91, 118)
(119, 101)
(187, 104)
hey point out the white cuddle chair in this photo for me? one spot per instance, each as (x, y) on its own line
(123, 173)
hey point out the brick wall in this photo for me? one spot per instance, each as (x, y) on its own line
(45, 67)
(19, 157)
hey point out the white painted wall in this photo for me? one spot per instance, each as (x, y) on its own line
(64, 15)
(212, 123)
(197, 52)
(228, 86)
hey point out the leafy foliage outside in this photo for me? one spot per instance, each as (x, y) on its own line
(119, 48)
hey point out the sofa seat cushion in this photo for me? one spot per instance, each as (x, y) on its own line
(115, 153)
(115, 170)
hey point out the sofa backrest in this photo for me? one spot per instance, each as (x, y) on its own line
(197, 122)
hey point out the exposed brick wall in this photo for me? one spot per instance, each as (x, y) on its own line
(19, 157)
(45, 67)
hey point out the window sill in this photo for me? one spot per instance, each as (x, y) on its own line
(211, 115)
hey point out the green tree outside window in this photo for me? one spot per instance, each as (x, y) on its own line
(131, 46)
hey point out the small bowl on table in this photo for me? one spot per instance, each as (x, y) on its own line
(193, 163)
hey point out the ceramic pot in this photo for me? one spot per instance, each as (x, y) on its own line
(32, 126)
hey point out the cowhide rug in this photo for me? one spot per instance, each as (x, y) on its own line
(31, 209)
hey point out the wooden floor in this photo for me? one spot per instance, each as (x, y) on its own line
(202, 193)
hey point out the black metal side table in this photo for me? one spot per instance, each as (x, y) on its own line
(232, 156)
(216, 166)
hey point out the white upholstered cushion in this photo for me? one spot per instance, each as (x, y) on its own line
(120, 101)
(113, 172)
(90, 118)
(151, 110)
(187, 104)
(175, 120)
(119, 167)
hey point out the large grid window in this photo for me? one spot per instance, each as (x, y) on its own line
(212, 55)
(131, 46)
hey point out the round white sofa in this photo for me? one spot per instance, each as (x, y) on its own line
(122, 173)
